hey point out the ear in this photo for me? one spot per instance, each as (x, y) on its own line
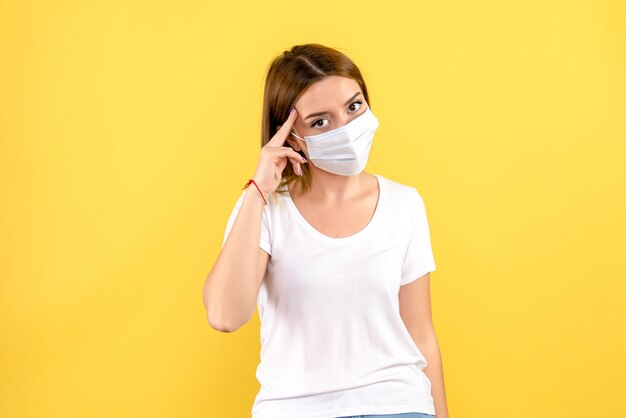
(294, 144)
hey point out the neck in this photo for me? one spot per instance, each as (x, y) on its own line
(329, 188)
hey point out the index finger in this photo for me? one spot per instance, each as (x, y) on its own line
(281, 135)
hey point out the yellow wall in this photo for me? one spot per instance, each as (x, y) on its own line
(128, 130)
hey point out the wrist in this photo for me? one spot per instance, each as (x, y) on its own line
(253, 194)
(260, 193)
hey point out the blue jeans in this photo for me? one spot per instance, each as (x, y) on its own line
(403, 415)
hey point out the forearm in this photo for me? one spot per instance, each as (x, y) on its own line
(434, 372)
(231, 289)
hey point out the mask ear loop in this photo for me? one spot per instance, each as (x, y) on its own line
(294, 134)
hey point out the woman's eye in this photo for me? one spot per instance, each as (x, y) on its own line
(317, 124)
(358, 102)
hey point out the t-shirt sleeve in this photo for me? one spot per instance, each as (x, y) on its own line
(418, 258)
(265, 239)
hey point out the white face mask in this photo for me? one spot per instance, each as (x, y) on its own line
(344, 150)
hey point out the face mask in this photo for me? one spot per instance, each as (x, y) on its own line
(344, 150)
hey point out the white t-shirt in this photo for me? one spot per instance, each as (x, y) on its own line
(333, 342)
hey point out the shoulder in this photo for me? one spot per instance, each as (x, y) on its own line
(402, 194)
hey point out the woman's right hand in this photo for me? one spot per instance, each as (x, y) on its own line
(273, 158)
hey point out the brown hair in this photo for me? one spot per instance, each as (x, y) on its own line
(291, 73)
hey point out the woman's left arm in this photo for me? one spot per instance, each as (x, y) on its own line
(415, 310)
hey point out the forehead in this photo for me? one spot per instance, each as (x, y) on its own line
(332, 91)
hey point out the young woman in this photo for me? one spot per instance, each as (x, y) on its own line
(337, 260)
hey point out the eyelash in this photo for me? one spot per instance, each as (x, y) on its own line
(356, 101)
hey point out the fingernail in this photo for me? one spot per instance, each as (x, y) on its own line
(292, 110)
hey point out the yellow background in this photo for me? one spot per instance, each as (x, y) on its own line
(129, 128)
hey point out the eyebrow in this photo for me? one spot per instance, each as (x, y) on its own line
(324, 113)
